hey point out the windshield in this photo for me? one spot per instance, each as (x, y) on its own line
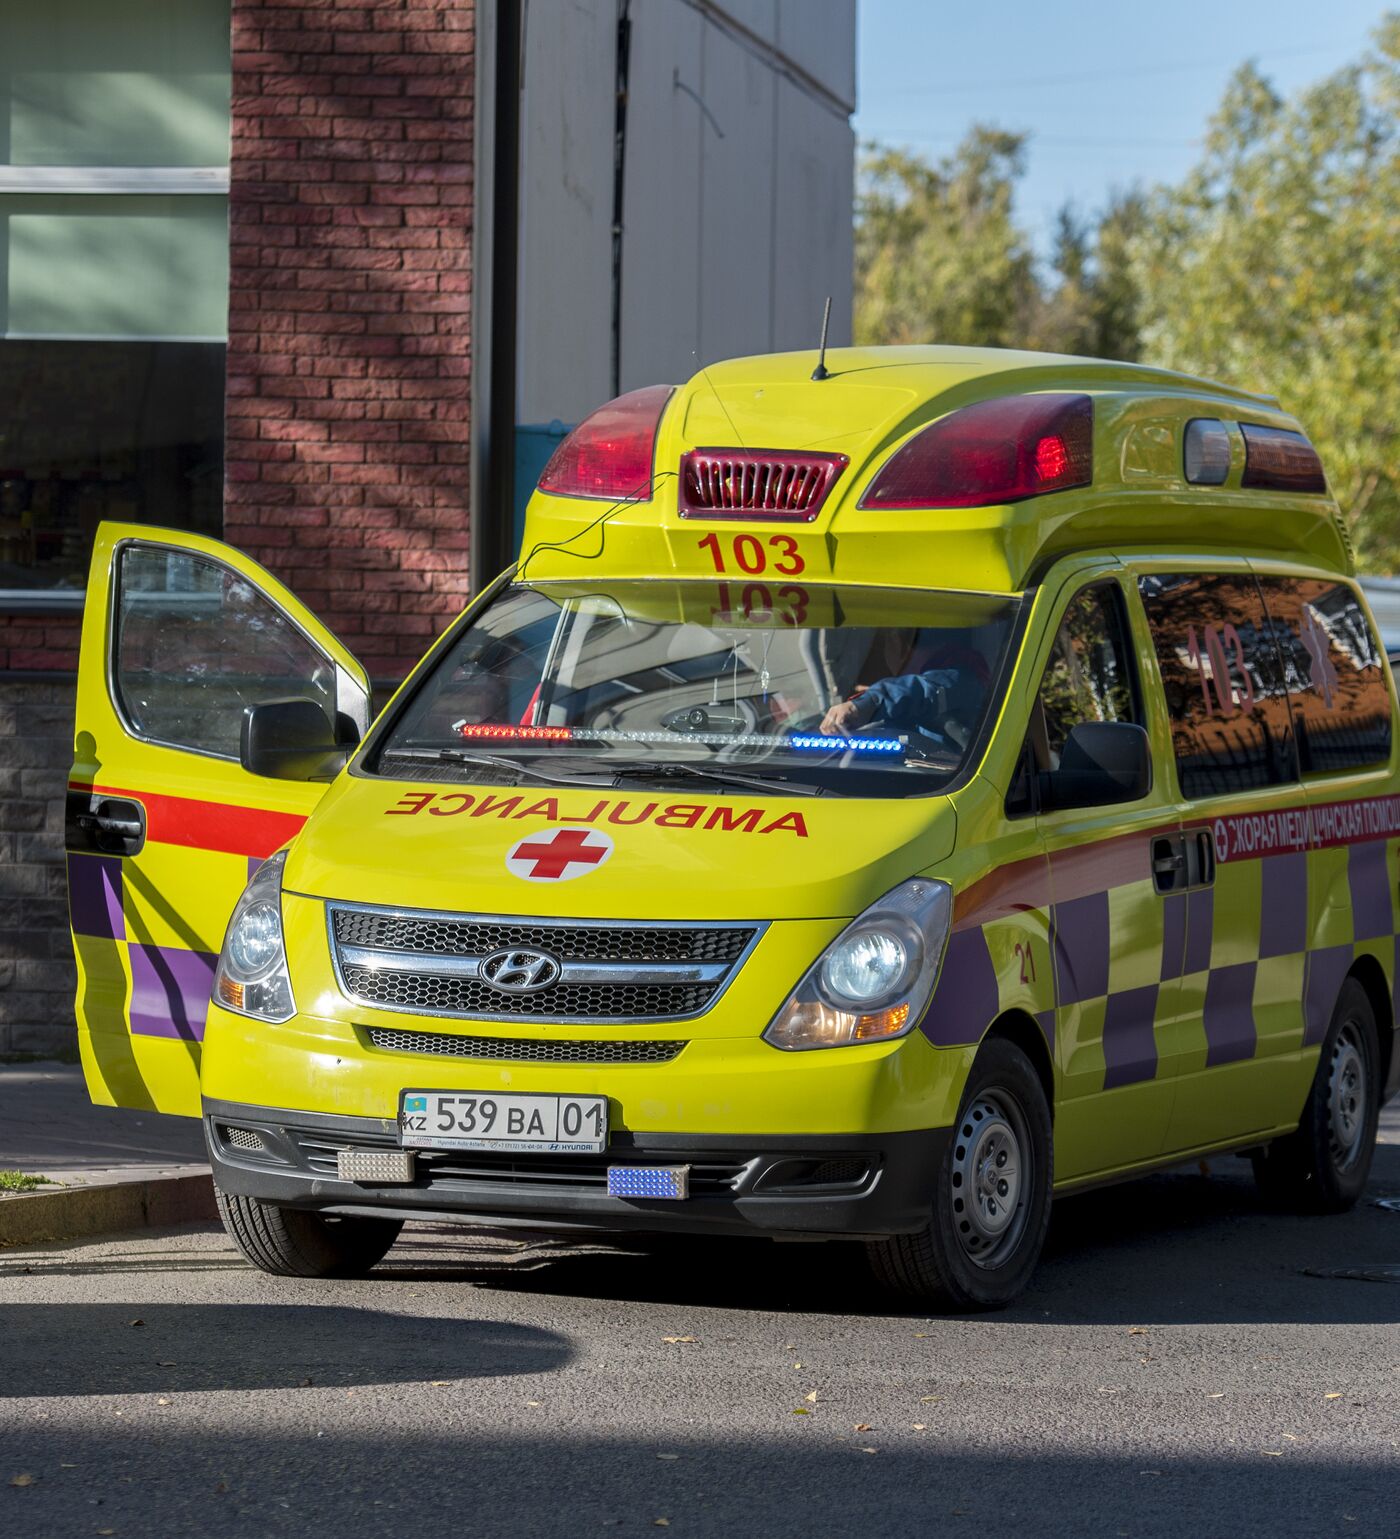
(856, 691)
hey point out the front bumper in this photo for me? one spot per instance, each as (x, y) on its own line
(821, 1186)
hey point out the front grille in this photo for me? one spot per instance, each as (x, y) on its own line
(538, 1050)
(244, 1138)
(573, 1001)
(467, 1168)
(757, 483)
(444, 964)
(438, 936)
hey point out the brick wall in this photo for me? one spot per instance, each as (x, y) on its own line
(37, 978)
(45, 643)
(350, 289)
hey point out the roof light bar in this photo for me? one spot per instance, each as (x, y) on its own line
(610, 454)
(991, 452)
(1279, 460)
(818, 742)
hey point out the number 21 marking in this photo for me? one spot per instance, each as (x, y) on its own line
(1027, 956)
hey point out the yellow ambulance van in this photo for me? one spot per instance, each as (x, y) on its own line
(881, 798)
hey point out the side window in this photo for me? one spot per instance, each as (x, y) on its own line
(194, 643)
(1335, 672)
(1090, 675)
(1223, 680)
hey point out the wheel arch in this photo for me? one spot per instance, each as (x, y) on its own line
(1369, 973)
(1021, 1030)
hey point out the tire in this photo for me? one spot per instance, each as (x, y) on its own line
(974, 1254)
(289, 1242)
(1324, 1166)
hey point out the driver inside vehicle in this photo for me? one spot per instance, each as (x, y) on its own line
(934, 682)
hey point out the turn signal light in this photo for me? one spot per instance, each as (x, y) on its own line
(609, 455)
(992, 452)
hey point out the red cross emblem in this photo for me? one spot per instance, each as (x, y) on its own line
(558, 854)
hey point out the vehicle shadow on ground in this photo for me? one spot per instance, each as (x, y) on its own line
(166, 1348)
(551, 1485)
(1182, 1247)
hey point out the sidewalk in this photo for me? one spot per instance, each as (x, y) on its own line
(48, 1127)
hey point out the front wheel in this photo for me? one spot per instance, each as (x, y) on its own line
(1323, 1167)
(290, 1242)
(991, 1200)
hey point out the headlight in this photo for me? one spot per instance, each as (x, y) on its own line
(874, 981)
(251, 977)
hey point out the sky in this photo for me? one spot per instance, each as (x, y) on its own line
(1112, 92)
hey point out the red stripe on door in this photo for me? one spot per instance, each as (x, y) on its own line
(200, 825)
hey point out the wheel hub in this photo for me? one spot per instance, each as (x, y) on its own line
(989, 1179)
(1346, 1102)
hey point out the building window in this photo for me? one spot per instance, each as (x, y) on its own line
(114, 145)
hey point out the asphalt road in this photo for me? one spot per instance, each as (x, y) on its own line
(1173, 1372)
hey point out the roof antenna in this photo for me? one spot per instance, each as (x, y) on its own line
(820, 371)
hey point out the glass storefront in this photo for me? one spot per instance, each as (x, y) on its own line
(114, 143)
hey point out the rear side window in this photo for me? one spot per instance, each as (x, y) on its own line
(1223, 680)
(1335, 672)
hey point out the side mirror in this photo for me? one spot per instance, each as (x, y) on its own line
(290, 740)
(1103, 762)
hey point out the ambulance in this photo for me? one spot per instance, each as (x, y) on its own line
(883, 797)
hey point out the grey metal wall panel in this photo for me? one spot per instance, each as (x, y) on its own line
(737, 201)
(819, 35)
(661, 243)
(815, 157)
(566, 159)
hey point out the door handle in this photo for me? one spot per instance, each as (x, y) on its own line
(1169, 872)
(114, 826)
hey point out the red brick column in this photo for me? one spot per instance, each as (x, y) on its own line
(349, 363)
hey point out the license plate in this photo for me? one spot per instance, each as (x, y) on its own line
(474, 1119)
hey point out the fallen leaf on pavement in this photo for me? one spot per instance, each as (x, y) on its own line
(1271, 1453)
(680, 1341)
(1335, 1395)
(920, 1426)
(861, 1426)
(797, 1365)
(661, 1522)
(438, 1383)
(22, 1480)
(1138, 1330)
(812, 1398)
(1218, 1395)
(135, 1322)
(167, 1365)
(534, 1402)
(68, 1466)
(919, 1335)
(800, 1410)
(870, 1450)
(162, 1401)
(668, 1456)
(928, 1399)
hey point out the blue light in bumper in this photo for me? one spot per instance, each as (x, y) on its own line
(667, 1182)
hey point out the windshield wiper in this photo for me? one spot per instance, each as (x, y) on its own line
(680, 769)
(490, 761)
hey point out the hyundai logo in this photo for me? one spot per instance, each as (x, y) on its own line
(520, 972)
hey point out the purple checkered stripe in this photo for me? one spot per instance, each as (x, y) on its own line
(967, 999)
(170, 985)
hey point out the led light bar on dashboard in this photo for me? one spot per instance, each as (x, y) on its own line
(801, 742)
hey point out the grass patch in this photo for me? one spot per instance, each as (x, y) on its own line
(17, 1181)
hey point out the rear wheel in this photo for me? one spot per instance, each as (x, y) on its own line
(991, 1203)
(289, 1242)
(1324, 1166)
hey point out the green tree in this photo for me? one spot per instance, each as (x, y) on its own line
(939, 256)
(1274, 266)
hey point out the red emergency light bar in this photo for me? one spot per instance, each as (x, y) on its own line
(609, 455)
(991, 452)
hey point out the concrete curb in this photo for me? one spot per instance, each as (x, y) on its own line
(74, 1212)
